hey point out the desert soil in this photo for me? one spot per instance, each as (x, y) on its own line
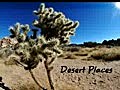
(17, 78)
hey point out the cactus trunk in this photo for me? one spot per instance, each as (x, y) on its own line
(56, 30)
(49, 75)
(32, 75)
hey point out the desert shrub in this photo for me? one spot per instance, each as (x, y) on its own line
(89, 49)
(80, 54)
(62, 55)
(107, 55)
(90, 44)
(97, 55)
(111, 56)
(70, 56)
(10, 62)
(72, 49)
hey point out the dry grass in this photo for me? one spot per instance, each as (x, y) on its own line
(88, 49)
(18, 79)
(10, 62)
(80, 54)
(107, 54)
(97, 55)
(62, 55)
(70, 56)
(72, 49)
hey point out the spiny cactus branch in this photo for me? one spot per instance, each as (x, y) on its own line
(34, 33)
(36, 80)
(56, 30)
(54, 24)
(49, 75)
(52, 60)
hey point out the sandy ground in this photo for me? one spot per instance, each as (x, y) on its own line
(17, 78)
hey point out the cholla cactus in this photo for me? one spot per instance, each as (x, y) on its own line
(16, 32)
(54, 24)
(32, 51)
(55, 30)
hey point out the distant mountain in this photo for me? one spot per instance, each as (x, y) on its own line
(7, 41)
(94, 44)
(112, 42)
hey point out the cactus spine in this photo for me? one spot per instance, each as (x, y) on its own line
(54, 24)
(55, 31)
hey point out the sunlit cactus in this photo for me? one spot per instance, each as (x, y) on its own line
(30, 50)
(34, 50)
(34, 36)
(55, 31)
(54, 24)
(16, 32)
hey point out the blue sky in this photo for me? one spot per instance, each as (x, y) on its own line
(98, 20)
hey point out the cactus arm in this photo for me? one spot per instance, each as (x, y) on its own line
(49, 75)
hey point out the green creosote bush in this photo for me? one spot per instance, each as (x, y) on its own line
(55, 31)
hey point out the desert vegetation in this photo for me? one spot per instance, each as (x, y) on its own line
(31, 62)
(107, 54)
(56, 30)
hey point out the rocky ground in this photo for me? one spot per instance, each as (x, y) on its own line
(17, 78)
